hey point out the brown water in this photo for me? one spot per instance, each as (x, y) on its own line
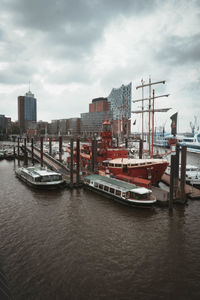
(79, 245)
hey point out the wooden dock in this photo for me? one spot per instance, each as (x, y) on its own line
(191, 191)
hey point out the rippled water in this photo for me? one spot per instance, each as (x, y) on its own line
(79, 245)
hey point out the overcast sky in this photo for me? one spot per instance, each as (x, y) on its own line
(75, 50)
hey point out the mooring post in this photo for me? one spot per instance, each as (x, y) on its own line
(71, 161)
(50, 146)
(126, 143)
(25, 153)
(183, 171)
(32, 156)
(60, 148)
(171, 192)
(18, 147)
(176, 170)
(94, 155)
(14, 151)
(78, 161)
(140, 148)
(41, 151)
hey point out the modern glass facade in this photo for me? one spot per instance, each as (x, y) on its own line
(120, 102)
(30, 107)
(92, 122)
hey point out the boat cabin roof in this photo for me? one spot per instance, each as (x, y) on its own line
(37, 171)
(118, 184)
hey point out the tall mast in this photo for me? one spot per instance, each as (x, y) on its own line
(149, 109)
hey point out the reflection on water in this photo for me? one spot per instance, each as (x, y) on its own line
(78, 245)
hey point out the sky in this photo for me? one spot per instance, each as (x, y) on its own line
(72, 51)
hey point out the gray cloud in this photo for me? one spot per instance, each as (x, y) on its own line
(180, 50)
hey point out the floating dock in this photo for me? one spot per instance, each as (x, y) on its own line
(191, 191)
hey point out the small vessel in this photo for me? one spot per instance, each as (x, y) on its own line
(192, 174)
(192, 143)
(120, 191)
(39, 177)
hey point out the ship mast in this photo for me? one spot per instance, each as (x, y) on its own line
(149, 110)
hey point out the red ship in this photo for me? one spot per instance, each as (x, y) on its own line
(115, 161)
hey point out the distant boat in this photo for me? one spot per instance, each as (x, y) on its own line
(120, 191)
(192, 143)
(38, 177)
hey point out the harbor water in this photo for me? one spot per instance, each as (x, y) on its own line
(77, 245)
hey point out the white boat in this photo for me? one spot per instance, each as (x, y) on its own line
(192, 174)
(192, 143)
(40, 177)
(120, 191)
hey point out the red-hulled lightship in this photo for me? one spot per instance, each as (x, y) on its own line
(115, 161)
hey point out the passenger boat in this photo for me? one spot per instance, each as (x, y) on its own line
(150, 168)
(120, 191)
(38, 177)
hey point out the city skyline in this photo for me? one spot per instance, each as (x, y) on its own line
(71, 55)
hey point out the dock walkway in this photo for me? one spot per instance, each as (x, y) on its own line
(191, 191)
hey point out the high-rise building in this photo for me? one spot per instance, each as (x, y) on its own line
(27, 111)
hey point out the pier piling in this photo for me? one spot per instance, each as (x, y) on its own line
(71, 161)
(50, 146)
(183, 171)
(171, 193)
(18, 147)
(60, 148)
(32, 157)
(140, 148)
(77, 161)
(41, 151)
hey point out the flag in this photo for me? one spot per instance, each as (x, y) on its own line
(174, 124)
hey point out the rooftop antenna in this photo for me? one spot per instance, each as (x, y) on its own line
(29, 85)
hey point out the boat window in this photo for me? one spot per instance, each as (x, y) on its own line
(111, 165)
(96, 184)
(123, 194)
(101, 186)
(133, 165)
(37, 179)
(112, 190)
(118, 192)
(140, 196)
(106, 188)
(45, 178)
(118, 165)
